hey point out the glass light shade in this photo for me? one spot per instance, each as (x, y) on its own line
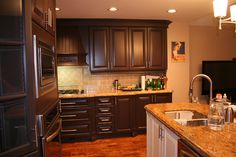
(233, 12)
(220, 8)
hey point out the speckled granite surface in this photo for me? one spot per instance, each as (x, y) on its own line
(111, 93)
(206, 141)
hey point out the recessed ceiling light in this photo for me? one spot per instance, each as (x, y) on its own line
(113, 9)
(57, 9)
(171, 11)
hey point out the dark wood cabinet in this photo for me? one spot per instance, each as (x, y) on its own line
(124, 45)
(119, 54)
(17, 114)
(99, 49)
(157, 56)
(104, 115)
(140, 113)
(141, 101)
(138, 48)
(77, 119)
(44, 14)
(124, 114)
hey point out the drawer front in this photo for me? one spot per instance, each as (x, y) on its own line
(104, 129)
(104, 101)
(104, 120)
(105, 110)
(75, 127)
(76, 113)
(72, 102)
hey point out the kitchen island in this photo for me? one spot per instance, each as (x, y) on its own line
(204, 141)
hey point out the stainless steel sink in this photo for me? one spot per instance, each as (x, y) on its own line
(188, 117)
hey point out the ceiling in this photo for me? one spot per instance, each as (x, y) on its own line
(188, 11)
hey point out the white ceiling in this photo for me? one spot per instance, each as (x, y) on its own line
(188, 11)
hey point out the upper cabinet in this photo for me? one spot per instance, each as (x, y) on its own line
(44, 14)
(99, 53)
(120, 45)
(138, 48)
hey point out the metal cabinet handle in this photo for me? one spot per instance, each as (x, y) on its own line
(68, 116)
(105, 129)
(68, 103)
(104, 100)
(104, 110)
(36, 135)
(53, 135)
(70, 130)
(160, 132)
(83, 111)
(35, 66)
(104, 119)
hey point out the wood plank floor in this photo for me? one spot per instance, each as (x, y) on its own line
(113, 147)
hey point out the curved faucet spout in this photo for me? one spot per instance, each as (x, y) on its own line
(191, 85)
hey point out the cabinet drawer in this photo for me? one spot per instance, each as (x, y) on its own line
(104, 110)
(76, 113)
(104, 120)
(72, 102)
(104, 101)
(68, 127)
(104, 129)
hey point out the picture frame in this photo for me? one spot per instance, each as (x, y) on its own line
(178, 51)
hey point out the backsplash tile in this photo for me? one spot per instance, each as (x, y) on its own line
(80, 78)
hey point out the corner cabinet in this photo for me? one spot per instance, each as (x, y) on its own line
(161, 142)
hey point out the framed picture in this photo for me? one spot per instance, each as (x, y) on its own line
(178, 51)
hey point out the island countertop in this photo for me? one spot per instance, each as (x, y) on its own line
(206, 141)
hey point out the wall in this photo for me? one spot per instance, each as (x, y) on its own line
(208, 43)
(178, 72)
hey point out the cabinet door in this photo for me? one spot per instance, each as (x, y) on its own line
(140, 114)
(38, 12)
(119, 48)
(99, 57)
(163, 98)
(154, 143)
(50, 11)
(123, 114)
(138, 49)
(157, 59)
(170, 143)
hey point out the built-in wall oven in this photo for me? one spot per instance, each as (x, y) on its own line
(49, 131)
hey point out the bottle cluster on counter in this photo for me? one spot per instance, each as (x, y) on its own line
(155, 82)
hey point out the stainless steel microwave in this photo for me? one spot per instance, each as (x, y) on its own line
(44, 66)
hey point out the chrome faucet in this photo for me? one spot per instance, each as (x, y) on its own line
(191, 86)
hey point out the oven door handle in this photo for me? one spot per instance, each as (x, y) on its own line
(53, 135)
(35, 66)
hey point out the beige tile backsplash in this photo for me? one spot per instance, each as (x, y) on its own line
(80, 78)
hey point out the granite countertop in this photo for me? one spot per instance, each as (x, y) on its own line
(111, 93)
(206, 141)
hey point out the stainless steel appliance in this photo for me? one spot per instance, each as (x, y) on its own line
(186, 151)
(49, 130)
(44, 66)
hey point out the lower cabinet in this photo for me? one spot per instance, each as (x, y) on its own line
(124, 114)
(161, 142)
(91, 118)
(77, 119)
(141, 101)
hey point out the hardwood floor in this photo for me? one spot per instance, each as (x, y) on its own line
(113, 147)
